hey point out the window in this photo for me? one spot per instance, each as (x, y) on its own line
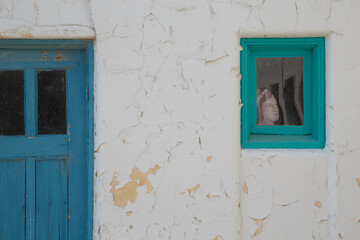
(283, 93)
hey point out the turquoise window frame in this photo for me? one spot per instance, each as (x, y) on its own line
(312, 133)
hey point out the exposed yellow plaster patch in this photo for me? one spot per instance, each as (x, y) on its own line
(114, 182)
(194, 189)
(209, 195)
(129, 213)
(122, 195)
(218, 237)
(137, 175)
(35, 6)
(358, 221)
(209, 158)
(26, 35)
(340, 236)
(358, 182)
(245, 187)
(260, 225)
(317, 204)
(128, 192)
(131, 226)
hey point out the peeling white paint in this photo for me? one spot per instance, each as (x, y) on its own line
(167, 93)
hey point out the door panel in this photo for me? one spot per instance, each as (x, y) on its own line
(51, 199)
(12, 199)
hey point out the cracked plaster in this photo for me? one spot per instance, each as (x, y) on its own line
(167, 95)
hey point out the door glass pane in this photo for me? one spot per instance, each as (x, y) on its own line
(279, 95)
(12, 103)
(51, 102)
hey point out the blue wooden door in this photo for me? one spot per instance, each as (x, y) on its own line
(43, 173)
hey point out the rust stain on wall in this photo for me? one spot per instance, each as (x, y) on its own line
(209, 158)
(317, 204)
(59, 57)
(194, 189)
(245, 187)
(128, 192)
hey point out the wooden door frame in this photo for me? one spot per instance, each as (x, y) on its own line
(88, 46)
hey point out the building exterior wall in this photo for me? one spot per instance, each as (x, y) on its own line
(168, 162)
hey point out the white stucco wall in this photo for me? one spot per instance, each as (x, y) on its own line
(168, 163)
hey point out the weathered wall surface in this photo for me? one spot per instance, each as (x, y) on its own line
(168, 163)
(45, 19)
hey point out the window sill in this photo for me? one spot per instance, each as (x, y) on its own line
(283, 141)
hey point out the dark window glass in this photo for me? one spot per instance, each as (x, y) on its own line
(279, 95)
(51, 102)
(12, 103)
